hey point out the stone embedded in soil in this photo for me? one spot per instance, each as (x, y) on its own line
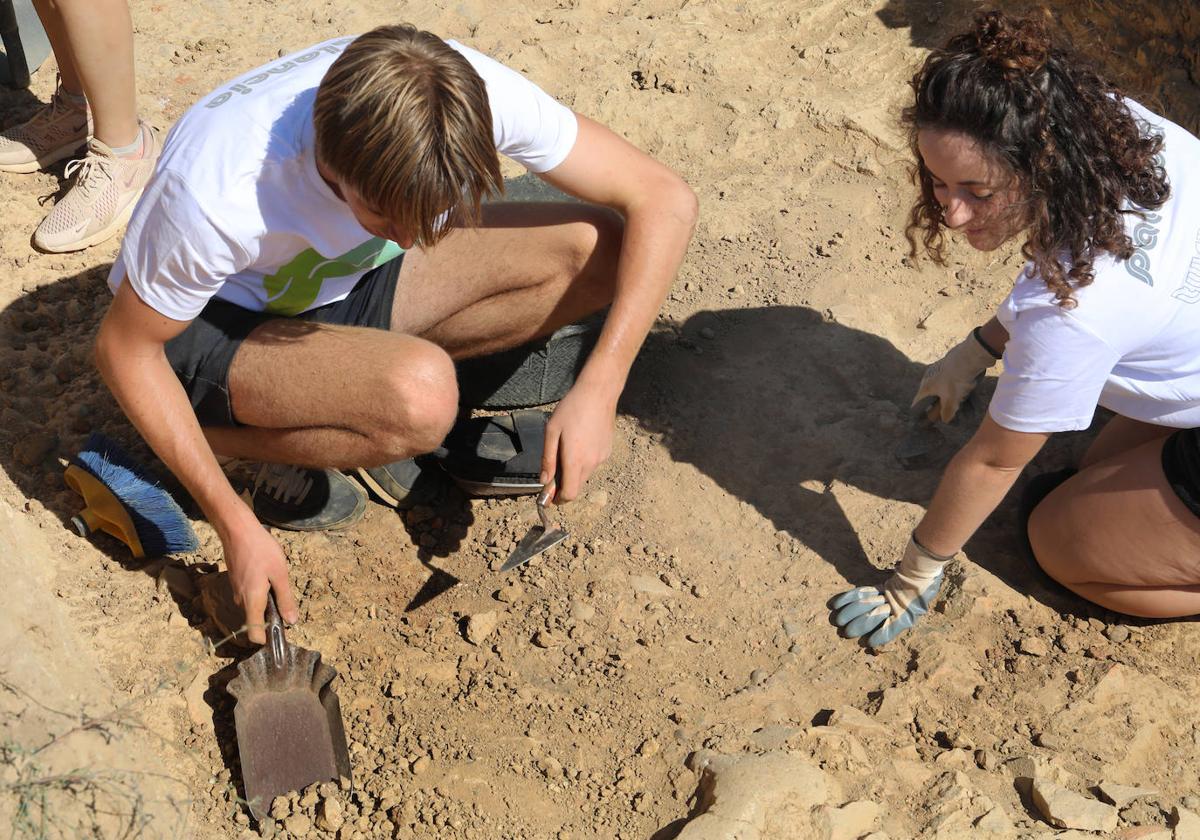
(1034, 646)
(420, 766)
(763, 797)
(995, 821)
(548, 639)
(1122, 795)
(848, 822)
(1144, 832)
(1066, 809)
(480, 626)
(330, 815)
(193, 695)
(650, 585)
(510, 593)
(281, 808)
(298, 825)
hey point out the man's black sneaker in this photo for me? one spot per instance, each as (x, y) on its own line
(301, 499)
(405, 484)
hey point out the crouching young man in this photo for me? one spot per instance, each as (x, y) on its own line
(313, 254)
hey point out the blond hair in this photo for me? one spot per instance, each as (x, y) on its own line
(403, 119)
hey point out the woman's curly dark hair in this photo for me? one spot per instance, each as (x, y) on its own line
(1077, 152)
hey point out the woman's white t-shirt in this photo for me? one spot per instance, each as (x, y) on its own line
(236, 209)
(1132, 344)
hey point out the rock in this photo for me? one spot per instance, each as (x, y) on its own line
(510, 593)
(298, 825)
(480, 626)
(1144, 832)
(1122, 795)
(850, 821)
(547, 639)
(1116, 633)
(329, 815)
(753, 797)
(199, 711)
(599, 498)
(1185, 823)
(420, 766)
(281, 808)
(395, 688)
(1034, 646)
(995, 821)
(582, 612)
(648, 748)
(308, 799)
(650, 585)
(1066, 809)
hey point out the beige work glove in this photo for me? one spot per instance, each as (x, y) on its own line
(953, 377)
(882, 615)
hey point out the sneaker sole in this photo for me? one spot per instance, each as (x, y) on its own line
(47, 160)
(96, 238)
(498, 487)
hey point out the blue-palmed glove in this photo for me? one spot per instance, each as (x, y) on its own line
(906, 596)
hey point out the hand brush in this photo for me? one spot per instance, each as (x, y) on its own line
(123, 500)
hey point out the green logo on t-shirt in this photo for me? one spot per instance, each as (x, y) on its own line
(295, 286)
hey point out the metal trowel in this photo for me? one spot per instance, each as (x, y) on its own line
(540, 537)
(287, 718)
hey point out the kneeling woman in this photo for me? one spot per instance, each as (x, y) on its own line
(1014, 137)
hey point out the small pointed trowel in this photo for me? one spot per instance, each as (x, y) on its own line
(540, 537)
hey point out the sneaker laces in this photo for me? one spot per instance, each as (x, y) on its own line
(284, 483)
(95, 171)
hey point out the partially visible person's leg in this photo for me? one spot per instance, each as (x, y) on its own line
(526, 271)
(1119, 535)
(93, 43)
(330, 396)
(361, 397)
(321, 395)
(1119, 435)
(98, 61)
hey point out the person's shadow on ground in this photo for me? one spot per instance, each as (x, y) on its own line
(776, 403)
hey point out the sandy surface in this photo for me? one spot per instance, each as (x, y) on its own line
(683, 626)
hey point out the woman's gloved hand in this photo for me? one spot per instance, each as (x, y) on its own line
(906, 596)
(954, 376)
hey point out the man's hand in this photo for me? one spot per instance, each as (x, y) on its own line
(953, 377)
(906, 596)
(578, 439)
(257, 566)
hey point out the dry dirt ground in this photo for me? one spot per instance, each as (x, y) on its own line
(675, 656)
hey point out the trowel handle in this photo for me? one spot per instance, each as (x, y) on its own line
(275, 638)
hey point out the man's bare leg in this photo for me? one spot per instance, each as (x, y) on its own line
(327, 396)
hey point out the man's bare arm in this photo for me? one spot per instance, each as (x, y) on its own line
(132, 360)
(660, 212)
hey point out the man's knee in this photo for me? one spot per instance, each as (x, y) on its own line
(419, 399)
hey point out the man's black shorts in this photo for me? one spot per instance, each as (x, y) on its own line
(202, 354)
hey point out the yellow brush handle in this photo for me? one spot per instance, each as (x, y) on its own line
(102, 510)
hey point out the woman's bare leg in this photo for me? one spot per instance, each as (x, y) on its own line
(1119, 435)
(1118, 535)
(93, 43)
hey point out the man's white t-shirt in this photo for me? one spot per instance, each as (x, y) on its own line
(236, 209)
(1132, 344)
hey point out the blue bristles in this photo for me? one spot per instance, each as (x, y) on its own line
(160, 523)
